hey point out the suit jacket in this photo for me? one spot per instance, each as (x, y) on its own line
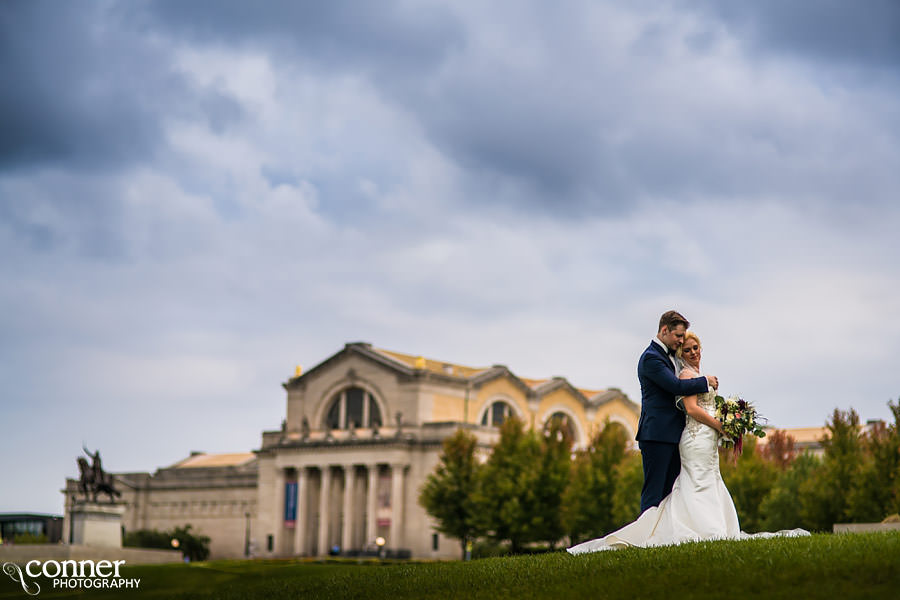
(661, 420)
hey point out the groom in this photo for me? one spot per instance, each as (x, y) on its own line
(661, 424)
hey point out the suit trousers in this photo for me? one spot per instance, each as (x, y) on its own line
(662, 464)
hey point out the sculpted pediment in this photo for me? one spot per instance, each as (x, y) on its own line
(346, 359)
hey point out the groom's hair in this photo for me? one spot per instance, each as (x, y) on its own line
(672, 319)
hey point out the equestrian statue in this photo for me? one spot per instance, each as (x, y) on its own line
(94, 480)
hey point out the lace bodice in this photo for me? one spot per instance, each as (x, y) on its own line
(706, 401)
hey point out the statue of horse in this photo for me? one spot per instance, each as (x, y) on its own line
(94, 480)
(86, 482)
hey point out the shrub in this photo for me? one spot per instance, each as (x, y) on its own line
(194, 547)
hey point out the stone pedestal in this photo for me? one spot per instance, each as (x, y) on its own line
(96, 524)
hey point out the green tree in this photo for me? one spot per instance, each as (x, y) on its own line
(578, 511)
(781, 508)
(507, 499)
(194, 547)
(448, 494)
(875, 494)
(552, 481)
(587, 508)
(749, 479)
(627, 493)
(823, 497)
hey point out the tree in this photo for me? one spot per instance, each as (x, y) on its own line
(194, 547)
(627, 493)
(587, 507)
(579, 511)
(508, 501)
(779, 449)
(781, 508)
(448, 494)
(552, 480)
(749, 479)
(823, 497)
(877, 490)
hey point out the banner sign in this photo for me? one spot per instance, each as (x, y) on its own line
(290, 504)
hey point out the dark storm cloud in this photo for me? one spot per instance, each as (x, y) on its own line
(555, 112)
(511, 132)
(539, 109)
(392, 38)
(71, 90)
(83, 87)
(684, 111)
(863, 34)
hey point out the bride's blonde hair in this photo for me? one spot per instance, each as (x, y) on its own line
(688, 335)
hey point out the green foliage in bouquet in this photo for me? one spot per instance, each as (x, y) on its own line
(738, 418)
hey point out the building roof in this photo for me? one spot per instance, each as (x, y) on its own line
(803, 436)
(201, 459)
(19, 516)
(448, 368)
(411, 365)
(534, 383)
(430, 364)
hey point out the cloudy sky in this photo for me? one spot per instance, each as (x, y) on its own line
(197, 196)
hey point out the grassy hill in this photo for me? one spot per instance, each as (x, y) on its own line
(820, 566)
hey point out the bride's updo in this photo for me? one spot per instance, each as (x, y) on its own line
(688, 335)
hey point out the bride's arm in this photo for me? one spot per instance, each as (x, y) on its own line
(693, 409)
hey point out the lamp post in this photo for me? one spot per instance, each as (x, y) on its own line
(247, 536)
(175, 544)
(379, 541)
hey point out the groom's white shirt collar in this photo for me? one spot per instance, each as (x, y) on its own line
(666, 351)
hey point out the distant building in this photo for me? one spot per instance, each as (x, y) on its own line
(362, 432)
(213, 493)
(30, 524)
(810, 438)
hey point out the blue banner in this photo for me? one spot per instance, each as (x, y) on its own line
(290, 503)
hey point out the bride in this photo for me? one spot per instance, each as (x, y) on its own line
(699, 506)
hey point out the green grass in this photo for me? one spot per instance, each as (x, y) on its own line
(820, 566)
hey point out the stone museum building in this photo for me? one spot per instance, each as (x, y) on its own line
(362, 431)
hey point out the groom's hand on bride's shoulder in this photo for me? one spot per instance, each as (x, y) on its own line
(713, 381)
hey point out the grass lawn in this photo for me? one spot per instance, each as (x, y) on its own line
(821, 566)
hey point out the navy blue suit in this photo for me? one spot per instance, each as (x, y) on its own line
(661, 424)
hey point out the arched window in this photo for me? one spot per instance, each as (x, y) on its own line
(353, 406)
(564, 423)
(497, 413)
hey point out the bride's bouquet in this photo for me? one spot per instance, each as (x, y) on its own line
(738, 418)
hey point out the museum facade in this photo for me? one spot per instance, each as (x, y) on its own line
(363, 430)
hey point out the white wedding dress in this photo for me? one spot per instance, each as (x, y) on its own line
(699, 506)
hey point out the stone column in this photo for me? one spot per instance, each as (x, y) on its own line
(371, 504)
(347, 533)
(302, 513)
(278, 530)
(396, 506)
(323, 510)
